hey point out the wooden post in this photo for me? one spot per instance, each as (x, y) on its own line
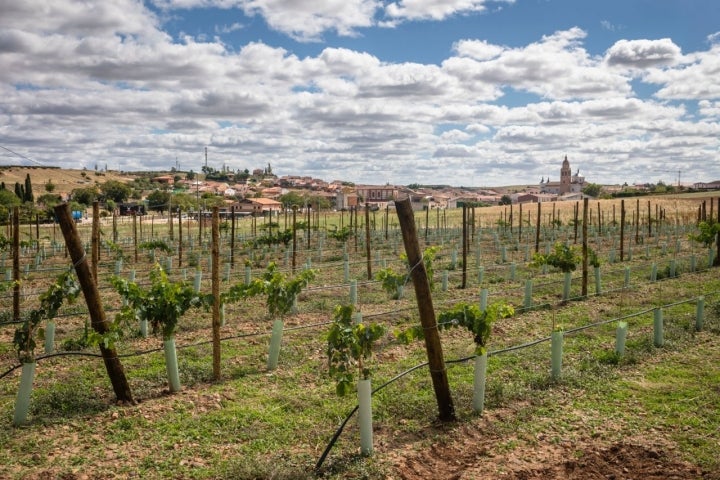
(171, 233)
(367, 241)
(637, 221)
(98, 321)
(215, 279)
(387, 220)
(114, 228)
(16, 262)
(95, 241)
(307, 227)
(355, 225)
(135, 242)
(294, 236)
(180, 238)
(622, 228)
(576, 211)
(464, 244)
(537, 228)
(438, 373)
(585, 248)
(232, 235)
(511, 220)
(520, 220)
(427, 220)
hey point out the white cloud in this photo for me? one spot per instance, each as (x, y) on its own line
(694, 78)
(432, 9)
(557, 67)
(643, 53)
(224, 29)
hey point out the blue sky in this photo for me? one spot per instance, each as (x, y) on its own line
(461, 92)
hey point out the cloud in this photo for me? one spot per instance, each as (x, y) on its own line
(126, 93)
(607, 25)
(433, 9)
(643, 53)
(694, 78)
(557, 67)
(224, 29)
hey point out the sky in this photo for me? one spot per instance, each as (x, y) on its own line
(459, 92)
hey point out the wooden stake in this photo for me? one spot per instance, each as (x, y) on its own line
(585, 248)
(16, 263)
(98, 321)
(367, 241)
(438, 373)
(95, 241)
(622, 229)
(215, 279)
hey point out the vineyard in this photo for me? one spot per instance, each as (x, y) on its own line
(243, 342)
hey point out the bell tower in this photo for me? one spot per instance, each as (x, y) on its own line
(565, 177)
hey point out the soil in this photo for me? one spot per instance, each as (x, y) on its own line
(470, 453)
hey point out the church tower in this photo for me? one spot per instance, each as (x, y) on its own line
(565, 177)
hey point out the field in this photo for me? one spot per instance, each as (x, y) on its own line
(649, 413)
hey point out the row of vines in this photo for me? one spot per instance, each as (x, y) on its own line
(349, 277)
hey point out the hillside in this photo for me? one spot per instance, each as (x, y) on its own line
(64, 180)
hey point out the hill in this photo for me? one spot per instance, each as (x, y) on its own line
(65, 180)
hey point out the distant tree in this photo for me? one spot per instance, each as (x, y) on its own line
(159, 201)
(115, 190)
(85, 196)
(49, 199)
(242, 176)
(49, 186)
(505, 200)
(185, 201)
(29, 197)
(592, 190)
(292, 198)
(190, 175)
(19, 191)
(319, 202)
(7, 200)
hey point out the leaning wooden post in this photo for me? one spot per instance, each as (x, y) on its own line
(215, 278)
(428, 321)
(368, 250)
(585, 248)
(16, 263)
(98, 321)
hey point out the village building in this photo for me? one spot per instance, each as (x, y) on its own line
(568, 183)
